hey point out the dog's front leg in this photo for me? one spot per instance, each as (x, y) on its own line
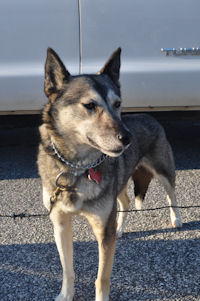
(106, 237)
(63, 238)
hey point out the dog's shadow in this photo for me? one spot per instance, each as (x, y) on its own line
(191, 226)
(145, 268)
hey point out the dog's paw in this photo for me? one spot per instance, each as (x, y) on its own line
(119, 233)
(138, 203)
(177, 222)
(60, 297)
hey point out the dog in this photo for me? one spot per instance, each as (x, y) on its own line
(87, 154)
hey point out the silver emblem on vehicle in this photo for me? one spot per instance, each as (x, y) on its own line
(181, 51)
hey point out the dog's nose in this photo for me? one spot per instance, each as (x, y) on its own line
(125, 138)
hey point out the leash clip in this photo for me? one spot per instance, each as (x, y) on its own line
(59, 188)
(54, 197)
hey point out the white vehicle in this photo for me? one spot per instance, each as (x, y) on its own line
(160, 43)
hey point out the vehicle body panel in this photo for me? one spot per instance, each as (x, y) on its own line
(85, 33)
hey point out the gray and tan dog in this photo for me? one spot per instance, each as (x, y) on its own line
(87, 154)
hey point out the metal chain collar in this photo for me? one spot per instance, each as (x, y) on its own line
(83, 168)
(77, 166)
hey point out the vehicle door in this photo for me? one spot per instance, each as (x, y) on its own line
(151, 80)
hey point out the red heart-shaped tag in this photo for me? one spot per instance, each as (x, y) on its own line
(94, 176)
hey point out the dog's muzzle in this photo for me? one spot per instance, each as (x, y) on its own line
(125, 137)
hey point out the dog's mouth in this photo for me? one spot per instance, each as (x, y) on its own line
(93, 143)
(112, 153)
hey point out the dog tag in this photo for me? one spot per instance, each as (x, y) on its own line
(94, 176)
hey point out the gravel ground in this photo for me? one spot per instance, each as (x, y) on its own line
(152, 261)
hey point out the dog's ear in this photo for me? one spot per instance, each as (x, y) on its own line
(112, 66)
(55, 74)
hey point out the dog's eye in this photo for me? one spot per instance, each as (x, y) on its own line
(90, 106)
(117, 104)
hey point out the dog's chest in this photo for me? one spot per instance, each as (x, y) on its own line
(93, 185)
(87, 191)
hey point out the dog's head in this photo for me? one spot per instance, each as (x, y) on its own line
(87, 108)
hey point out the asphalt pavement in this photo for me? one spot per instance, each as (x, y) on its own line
(152, 261)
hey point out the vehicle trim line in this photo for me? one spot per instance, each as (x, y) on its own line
(80, 37)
